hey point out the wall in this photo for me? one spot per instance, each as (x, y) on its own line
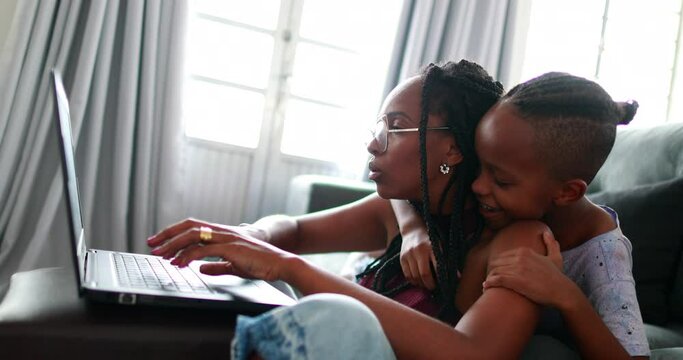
(218, 180)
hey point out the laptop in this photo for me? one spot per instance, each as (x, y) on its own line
(137, 279)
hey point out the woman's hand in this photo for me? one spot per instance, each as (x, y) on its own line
(539, 278)
(185, 234)
(243, 256)
(416, 256)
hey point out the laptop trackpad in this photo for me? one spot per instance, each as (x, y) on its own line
(255, 291)
(252, 290)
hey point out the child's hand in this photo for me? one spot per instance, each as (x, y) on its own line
(535, 276)
(416, 249)
(416, 255)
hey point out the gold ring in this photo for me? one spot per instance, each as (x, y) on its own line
(205, 233)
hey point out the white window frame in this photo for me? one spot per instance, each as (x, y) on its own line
(674, 87)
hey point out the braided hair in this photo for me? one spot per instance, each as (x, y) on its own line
(574, 121)
(461, 93)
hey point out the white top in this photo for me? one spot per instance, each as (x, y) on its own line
(602, 268)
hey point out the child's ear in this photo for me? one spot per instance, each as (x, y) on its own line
(570, 191)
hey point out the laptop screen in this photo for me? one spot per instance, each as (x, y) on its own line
(69, 171)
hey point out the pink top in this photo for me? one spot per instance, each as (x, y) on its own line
(412, 296)
(416, 297)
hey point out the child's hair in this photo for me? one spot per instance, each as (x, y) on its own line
(462, 93)
(574, 121)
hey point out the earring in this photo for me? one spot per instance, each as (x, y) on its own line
(444, 168)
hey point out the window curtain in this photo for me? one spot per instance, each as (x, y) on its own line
(483, 31)
(441, 30)
(122, 68)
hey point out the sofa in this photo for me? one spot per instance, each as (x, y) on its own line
(642, 180)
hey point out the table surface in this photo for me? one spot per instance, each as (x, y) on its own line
(42, 317)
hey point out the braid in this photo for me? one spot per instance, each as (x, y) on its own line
(443, 278)
(468, 92)
(574, 121)
(462, 93)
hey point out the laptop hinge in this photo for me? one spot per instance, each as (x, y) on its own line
(86, 274)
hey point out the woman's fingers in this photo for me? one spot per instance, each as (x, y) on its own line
(248, 258)
(180, 242)
(218, 268)
(173, 231)
(245, 256)
(222, 268)
(199, 252)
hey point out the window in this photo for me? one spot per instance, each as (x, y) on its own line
(631, 47)
(302, 77)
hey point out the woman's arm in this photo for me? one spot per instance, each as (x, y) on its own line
(364, 225)
(497, 326)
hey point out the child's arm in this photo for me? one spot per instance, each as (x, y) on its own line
(416, 249)
(540, 279)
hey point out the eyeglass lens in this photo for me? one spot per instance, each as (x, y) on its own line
(381, 134)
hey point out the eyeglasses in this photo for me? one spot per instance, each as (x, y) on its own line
(381, 132)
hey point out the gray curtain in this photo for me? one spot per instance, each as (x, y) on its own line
(432, 31)
(121, 63)
(442, 30)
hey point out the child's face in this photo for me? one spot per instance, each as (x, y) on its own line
(396, 171)
(513, 183)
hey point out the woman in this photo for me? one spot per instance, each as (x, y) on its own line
(422, 151)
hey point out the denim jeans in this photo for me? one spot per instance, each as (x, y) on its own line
(322, 326)
(330, 326)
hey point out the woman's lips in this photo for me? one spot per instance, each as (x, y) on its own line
(374, 171)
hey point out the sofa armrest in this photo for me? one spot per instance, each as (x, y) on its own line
(310, 193)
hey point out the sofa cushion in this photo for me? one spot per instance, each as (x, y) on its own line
(676, 299)
(667, 354)
(660, 337)
(651, 216)
(642, 156)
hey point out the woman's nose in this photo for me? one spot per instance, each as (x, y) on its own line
(372, 146)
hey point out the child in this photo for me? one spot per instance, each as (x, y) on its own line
(539, 148)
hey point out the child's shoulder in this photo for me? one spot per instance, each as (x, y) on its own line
(602, 259)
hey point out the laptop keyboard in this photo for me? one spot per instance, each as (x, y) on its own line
(156, 274)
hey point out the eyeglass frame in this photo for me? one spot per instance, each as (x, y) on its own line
(384, 119)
